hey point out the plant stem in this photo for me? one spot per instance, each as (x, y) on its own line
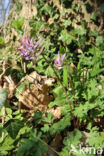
(61, 84)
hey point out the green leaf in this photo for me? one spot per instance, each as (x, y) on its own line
(47, 9)
(6, 145)
(80, 32)
(61, 125)
(64, 11)
(66, 37)
(94, 16)
(102, 7)
(56, 16)
(94, 33)
(2, 42)
(3, 97)
(9, 111)
(13, 126)
(37, 117)
(49, 71)
(20, 88)
(45, 128)
(37, 25)
(32, 145)
(60, 98)
(19, 6)
(58, 91)
(18, 23)
(66, 22)
(49, 118)
(99, 40)
(73, 138)
(96, 138)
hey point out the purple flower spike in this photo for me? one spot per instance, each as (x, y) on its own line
(38, 42)
(59, 61)
(28, 47)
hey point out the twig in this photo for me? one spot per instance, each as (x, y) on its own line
(24, 67)
(47, 145)
(3, 120)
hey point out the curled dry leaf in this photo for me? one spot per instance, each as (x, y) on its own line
(100, 87)
(35, 78)
(9, 85)
(73, 66)
(56, 112)
(79, 51)
(37, 96)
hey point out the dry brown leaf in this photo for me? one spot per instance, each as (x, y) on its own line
(100, 87)
(73, 66)
(79, 51)
(37, 96)
(34, 77)
(56, 112)
(9, 85)
(59, 6)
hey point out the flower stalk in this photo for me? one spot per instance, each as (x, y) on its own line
(61, 84)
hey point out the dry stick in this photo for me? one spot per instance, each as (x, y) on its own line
(4, 114)
(24, 66)
(3, 120)
(61, 85)
(47, 145)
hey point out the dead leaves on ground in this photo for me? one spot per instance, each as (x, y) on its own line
(36, 94)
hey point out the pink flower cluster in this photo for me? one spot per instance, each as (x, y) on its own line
(59, 61)
(28, 47)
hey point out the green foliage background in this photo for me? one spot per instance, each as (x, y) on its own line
(84, 84)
